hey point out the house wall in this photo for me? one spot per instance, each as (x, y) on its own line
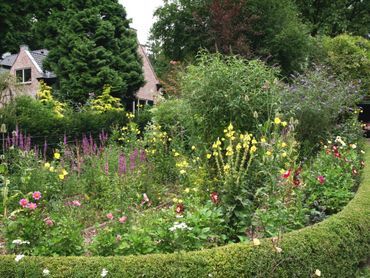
(24, 60)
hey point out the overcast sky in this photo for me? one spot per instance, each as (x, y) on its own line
(141, 13)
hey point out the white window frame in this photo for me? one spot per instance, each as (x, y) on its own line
(22, 81)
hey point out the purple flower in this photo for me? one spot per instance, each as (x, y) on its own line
(121, 165)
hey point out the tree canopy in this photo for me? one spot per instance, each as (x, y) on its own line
(267, 29)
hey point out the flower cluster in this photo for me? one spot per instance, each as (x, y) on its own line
(30, 205)
(179, 226)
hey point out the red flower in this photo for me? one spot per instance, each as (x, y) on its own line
(298, 171)
(180, 208)
(321, 179)
(286, 174)
(296, 181)
(337, 154)
(335, 149)
(214, 197)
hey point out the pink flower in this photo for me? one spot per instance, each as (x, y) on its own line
(286, 174)
(76, 203)
(321, 179)
(23, 202)
(32, 206)
(49, 222)
(214, 197)
(110, 216)
(122, 219)
(36, 195)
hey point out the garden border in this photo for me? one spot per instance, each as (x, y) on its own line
(335, 246)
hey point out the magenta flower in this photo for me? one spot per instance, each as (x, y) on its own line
(214, 197)
(321, 179)
(110, 216)
(122, 219)
(32, 206)
(36, 195)
(23, 202)
(49, 222)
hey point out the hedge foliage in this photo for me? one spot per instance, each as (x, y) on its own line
(335, 246)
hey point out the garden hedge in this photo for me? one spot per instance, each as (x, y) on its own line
(335, 246)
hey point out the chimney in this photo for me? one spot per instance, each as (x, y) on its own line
(23, 47)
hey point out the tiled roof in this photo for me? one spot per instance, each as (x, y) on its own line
(8, 61)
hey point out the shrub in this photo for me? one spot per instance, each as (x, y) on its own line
(321, 103)
(220, 90)
(41, 123)
(349, 57)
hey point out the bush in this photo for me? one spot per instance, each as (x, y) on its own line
(41, 123)
(335, 247)
(349, 57)
(219, 90)
(321, 103)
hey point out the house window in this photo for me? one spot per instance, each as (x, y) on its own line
(23, 75)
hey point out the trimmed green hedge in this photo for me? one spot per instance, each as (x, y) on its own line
(335, 246)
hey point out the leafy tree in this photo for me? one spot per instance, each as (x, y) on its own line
(91, 44)
(336, 17)
(269, 29)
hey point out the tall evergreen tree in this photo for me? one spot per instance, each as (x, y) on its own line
(92, 45)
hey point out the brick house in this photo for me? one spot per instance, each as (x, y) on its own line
(27, 67)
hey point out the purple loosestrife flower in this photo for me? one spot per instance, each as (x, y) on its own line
(65, 140)
(143, 156)
(21, 141)
(132, 161)
(121, 165)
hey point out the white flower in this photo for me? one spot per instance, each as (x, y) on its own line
(317, 272)
(46, 272)
(353, 146)
(17, 241)
(104, 272)
(18, 258)
(181, 226)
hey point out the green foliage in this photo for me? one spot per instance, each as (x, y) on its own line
(105, 102)
(269, 29)
(321, 104)
(104, 50)
(335, 247)
(349, 58)
(221, 90)
(41, 122)
(335, 17)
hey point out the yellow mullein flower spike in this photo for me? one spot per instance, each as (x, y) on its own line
(253, 149)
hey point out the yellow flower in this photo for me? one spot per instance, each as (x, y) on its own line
(64, 172)
(56, 155)
(283, 145)
(193, 148)
(230, 127)
(187, 190)
(227, 168)
(176, 154)
(256, 242)
(268, 153)
(253, 149)
(284, 154)
(209, 155)
(254, 141)
(215, 154)
(277, 121)
(182, 172)
(238, 146)
(284, 124)
(61, 177)
(180, 201)
(174, 200)
(282, 171)
(47, 165)
(229, 151)
(51, 169)
(263, 140)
